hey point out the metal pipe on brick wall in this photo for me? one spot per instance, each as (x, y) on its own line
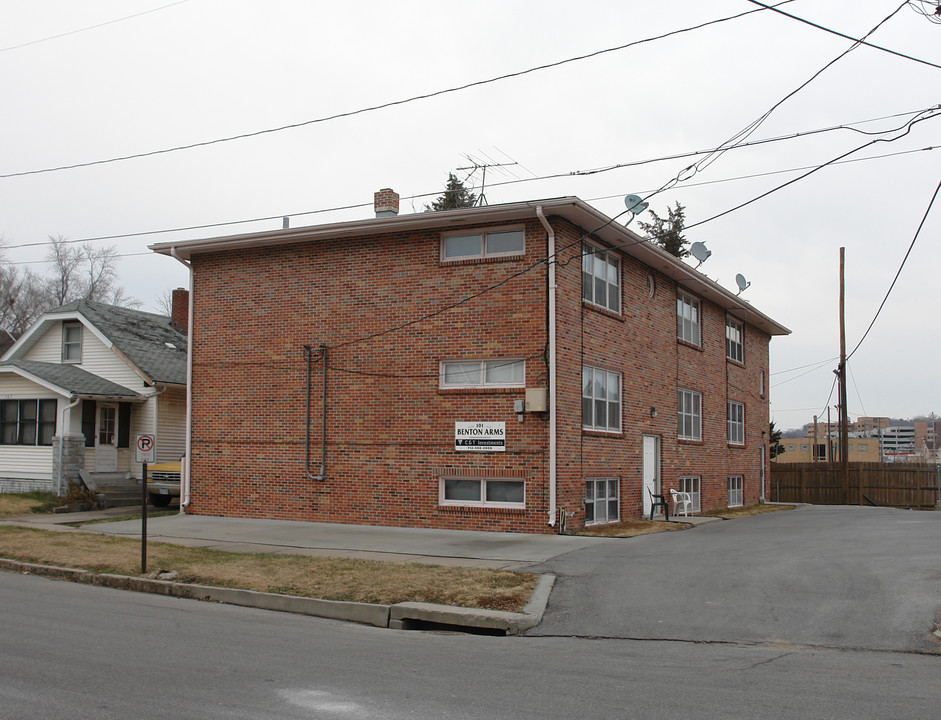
(188, 441)
(553, 449)
(323, 418)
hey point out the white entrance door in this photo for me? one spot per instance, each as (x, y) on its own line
(650, 470)
(106, 439)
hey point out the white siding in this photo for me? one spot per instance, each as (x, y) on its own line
(24, 462)
(97, 358)
(171, 425)
(14, 386)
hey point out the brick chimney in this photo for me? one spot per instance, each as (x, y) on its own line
(386, 202)
(180, 309)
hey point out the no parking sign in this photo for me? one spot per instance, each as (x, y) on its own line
(146, 446)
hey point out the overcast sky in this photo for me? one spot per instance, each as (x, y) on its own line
(83, 82)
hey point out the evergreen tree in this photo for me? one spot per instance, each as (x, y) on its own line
(455, 195)
(668, 232)
(775, 437)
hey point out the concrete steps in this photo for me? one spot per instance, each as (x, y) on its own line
(117, 488)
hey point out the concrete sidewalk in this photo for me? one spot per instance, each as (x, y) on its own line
(510, 551)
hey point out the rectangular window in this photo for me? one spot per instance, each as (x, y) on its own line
(27, 422)
(687, 318)
(689, 415)
(736, 496)
(863, 447)
(485, 244)
(736, 423)
(481, 492)
(72, 342)
(601, 399)
(734, 340)
(761, 383)
(483, 373)
(692, 485)
(601, 278)
(601, 501)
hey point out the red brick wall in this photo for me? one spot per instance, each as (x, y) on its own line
(390, 428)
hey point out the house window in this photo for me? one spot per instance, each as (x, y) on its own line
(483, 373)
(689, 415)
(601, 399)
(736, 496)
(601, 501)
(481, 492)
(687, 318)
(791, 446)
(734, 340)
(805, 446)
(761, 383)
(736, 423)
(601, 278)
(691, 485)
(485, 244)
(72, 342)
(862, 447)
(27, 422)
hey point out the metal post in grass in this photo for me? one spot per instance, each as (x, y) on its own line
(146, 448)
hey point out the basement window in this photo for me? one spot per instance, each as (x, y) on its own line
(483, 373)
(482, 492)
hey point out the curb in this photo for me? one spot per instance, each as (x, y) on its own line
(400, 616)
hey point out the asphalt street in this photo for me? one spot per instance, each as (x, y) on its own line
(846, 577)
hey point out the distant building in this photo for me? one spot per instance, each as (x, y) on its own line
(802, 450)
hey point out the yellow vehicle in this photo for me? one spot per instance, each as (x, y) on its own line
(163, 482)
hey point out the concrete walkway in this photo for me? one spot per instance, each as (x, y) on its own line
(509, 551)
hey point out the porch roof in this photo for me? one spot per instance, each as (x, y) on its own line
(69, 380)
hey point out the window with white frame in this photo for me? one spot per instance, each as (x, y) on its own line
(687, 318)
(27, 422)
(601, 500)
(736, 496)
(601, 278)
(688, 415)
(736, 423)
(761, 383)
(483, 373)
(734, 340)
(72, 342)
(601, 399)
(482, 492)
(691, 485)
(484, 244)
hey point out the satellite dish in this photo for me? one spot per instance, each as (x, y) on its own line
(700, 252)
(742, 283)
(635, 204)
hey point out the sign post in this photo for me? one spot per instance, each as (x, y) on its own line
(145, 446)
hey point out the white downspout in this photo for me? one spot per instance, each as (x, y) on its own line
(65, 429)
(185, 479)
(553, 445)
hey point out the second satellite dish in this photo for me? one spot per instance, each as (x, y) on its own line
(635, 204)
(742, 283)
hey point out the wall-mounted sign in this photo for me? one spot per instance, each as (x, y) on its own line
(480, 436)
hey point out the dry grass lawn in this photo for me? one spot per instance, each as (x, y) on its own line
(12, 504)
(319, 577)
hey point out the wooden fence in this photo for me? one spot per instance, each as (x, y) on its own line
(893, 485)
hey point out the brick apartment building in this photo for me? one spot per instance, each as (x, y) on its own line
(433, 370)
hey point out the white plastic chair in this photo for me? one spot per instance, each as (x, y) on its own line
(682, 502)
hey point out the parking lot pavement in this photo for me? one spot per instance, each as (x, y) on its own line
(837, 576)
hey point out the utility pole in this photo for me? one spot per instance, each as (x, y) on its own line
(844, 440)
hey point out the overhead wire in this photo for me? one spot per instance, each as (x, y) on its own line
(90, 27)
(844, 35)
(898, 273)
(354, 206)
(392, 103)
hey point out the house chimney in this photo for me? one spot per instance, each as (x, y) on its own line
(180, 309)
(386, 202)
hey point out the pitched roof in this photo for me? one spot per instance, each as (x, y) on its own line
(147, 340)
(70, 379)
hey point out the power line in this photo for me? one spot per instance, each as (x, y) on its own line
(848, 37)
(382, 106)
(889, 292)
(90, 27)
(688, 172)
(553, 176)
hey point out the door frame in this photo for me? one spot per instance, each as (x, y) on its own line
(648, 479)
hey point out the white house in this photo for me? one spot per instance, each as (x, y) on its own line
(78, 387)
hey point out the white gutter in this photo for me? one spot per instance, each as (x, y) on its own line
(185, 479)
(553, 445)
